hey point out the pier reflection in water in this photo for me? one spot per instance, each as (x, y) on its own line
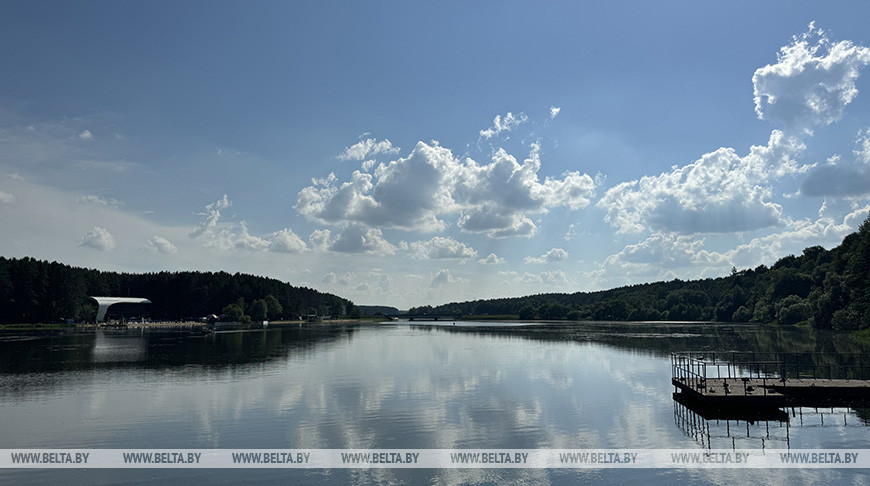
(753, 400)
(759, 429)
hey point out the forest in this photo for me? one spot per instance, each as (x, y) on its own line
(33, 291)
(821, 288)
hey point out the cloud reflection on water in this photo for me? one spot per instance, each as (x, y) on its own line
(373, 388)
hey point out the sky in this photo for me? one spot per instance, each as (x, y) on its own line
(410, 153)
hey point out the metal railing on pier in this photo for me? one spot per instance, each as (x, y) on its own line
(696, 369)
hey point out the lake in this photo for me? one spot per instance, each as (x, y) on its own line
(394, 386)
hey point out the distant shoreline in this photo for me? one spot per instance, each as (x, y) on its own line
(163, 324)
(10, 330)
(325, 322)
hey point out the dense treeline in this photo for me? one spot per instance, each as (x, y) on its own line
(823, 288)
(33, 291)
(370, 310)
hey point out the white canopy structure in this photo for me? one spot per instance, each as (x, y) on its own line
(103, 304)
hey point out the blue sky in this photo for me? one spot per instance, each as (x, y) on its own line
(405, 154)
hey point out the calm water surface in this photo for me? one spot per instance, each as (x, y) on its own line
(588, 385)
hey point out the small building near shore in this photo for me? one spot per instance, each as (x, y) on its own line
(121, 308)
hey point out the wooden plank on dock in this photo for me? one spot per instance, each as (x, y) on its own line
(824, 388)
(732, 391)
(770, 391)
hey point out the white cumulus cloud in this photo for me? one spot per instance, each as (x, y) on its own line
(159, 244)
(492, 259)
(812, 81)
(286, 241)
(439, 248)
(6, 197)
(419, 191)
(664, 256)
(99, 201)
(98, 239)
(498, 198)
(720, 192)
(842, 178)
(553, 278)
(503, 124)
(408, 193)
(245, 241)
(662, 249)
(214, 233)
(344, 280)
(366, 148)
(554, 255)
(354, 238)
(357, 239)
(444, 277)
(320, 239)
(212, 216)
(571, 233)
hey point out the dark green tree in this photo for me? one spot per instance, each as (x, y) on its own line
(234, 313)
(274, 308)
(528, 312)
(259, 310)
(554, 311)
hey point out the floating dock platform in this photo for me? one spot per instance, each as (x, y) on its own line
(770, 379)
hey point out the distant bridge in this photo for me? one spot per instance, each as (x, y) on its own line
(425, 318)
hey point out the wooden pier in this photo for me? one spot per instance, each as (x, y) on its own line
(144, 327)
(780, 380)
